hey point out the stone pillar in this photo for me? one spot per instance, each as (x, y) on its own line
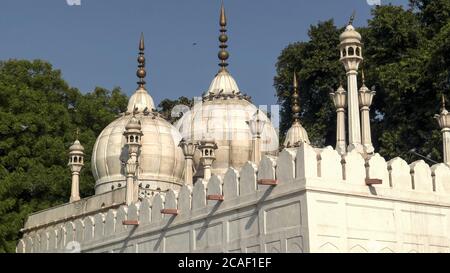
(351, 57)
(76, 163)
(444, 122)
(133, 136)
(446, 145)
(256, 128)
(339, 99)
(365, 100)
(207, 147)
(188, 148)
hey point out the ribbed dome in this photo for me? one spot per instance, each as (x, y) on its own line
(225, 119)
(350, 35)
(76, 146)
(223, 83)
(296, 135)
(140, 100)
(133, 124)
(161, 161)
(223, 115)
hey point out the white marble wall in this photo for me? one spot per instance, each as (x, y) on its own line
(321, 203)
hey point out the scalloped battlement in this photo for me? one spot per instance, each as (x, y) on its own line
(266, 218)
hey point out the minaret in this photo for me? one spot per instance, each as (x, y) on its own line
(256, 128)
(207, 147)
(133, 136)
(296, 134)
(339, 100)
(188, 148)
(365, 101)
(76, 162)
(351, 57)
(444, 122)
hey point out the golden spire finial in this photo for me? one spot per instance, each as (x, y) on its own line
(443, 102)
(141, 73)
(363, 77)
(223, 38)
(295, 81)
(352, 18)
(295, 104)
(223, 18)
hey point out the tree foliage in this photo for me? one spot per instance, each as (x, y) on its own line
(39, 113)
(406, 57)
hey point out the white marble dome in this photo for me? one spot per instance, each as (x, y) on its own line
(350, 35)
(161, 161)
(223, 115)
(295, 136)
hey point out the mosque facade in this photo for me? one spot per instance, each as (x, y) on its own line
(218, 180)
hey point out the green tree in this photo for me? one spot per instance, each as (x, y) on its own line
(39, 114)
(171, 110)
(318, 71)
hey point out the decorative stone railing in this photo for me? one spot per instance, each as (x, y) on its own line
(293, 171)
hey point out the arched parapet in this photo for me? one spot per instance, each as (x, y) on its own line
(52, 238)
(199, 195)
(231, 184)
(99, 225)
(61, 242)
(421, 176)
(285, 171)
(354, 168)
(20, 248)
(267, 167)
(214, 188)
(329, 165)
(306, 162)
(399, 174)
(36, 242)
(43, 241)
(247, 181)
(121, 215)
(110, 223)
(79, 230)
(171, 202)
(133, 211)
(157, 206)
(145, 211)
(69, 228)
(28, 244)
(377, 168)
(441, 178)
(185, 199)
(89, 224)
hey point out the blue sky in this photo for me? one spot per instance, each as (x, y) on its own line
(95, 44)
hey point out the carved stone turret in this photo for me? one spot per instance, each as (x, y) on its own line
(133, 136)
(76, 163)
(207, 147)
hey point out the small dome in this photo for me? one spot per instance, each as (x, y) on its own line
(223, 83)
(350, 35)
(140, 100)
(76, 147)
(296, 135)
(133, 124)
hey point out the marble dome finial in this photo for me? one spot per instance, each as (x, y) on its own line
(141, 72)
(223, 38)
